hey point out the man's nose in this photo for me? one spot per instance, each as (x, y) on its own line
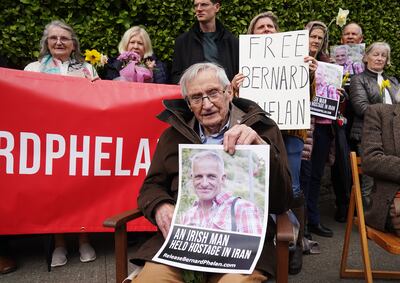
(204, 181)
(207, 102)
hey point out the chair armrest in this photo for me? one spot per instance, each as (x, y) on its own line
(118, 222)
(122, 218)
(284, 228)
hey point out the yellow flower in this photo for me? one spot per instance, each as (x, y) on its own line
(346, 77)
(385, 84)
(342, 17)
(92, 56)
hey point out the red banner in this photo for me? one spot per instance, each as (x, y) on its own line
(74, 152)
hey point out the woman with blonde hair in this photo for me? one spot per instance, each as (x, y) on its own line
(137, 40)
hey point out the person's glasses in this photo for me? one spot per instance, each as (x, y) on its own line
(62, 39)
(197, 99)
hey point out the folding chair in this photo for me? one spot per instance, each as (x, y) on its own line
(118, 222)
(387, 241)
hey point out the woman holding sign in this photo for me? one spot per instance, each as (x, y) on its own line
(267, 23)
(322, 138)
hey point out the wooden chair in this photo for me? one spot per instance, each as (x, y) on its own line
(119, 223)
(387, 241)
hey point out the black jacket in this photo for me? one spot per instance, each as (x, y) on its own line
(189, 50)
(364, 91)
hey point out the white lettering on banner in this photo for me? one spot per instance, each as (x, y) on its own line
(50, 153)
(118, 160)
(74, 154)
(56, 148)
(143, 149)
(99, 155)
(23, 158)
(6, 152)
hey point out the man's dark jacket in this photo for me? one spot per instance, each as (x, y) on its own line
(161, 183)
(189, 50)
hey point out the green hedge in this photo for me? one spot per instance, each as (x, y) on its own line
(100, 24)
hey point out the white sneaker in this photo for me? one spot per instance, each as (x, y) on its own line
(59, 257)
(87, 253)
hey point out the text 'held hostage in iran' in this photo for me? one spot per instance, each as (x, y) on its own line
(276, 76)
(207, 243)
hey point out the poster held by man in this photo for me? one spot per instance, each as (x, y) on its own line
(220, 220)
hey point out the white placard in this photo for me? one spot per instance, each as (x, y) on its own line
(228, 234)
(276, 76)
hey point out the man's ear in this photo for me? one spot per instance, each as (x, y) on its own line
(229, 92)
(218, 6)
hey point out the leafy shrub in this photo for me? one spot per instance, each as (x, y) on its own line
(100, 24)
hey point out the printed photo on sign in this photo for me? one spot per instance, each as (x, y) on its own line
(222, 209)
(328, 79)
(276, 76)
(350, 57)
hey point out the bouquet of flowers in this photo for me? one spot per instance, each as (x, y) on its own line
(133, 69)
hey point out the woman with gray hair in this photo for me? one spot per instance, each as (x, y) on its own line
(136, 39)
(371, 87)
(60, 53)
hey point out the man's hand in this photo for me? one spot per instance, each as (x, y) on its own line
(240, 134)
(163, 215)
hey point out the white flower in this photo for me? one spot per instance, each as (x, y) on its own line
(103, 60)
(342, 17)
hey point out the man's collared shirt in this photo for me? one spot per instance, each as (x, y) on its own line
(215, 138)
(248, 216)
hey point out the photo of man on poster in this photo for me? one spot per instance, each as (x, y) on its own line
(214, 207)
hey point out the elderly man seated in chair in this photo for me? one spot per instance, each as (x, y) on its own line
(381, 160)
(208, 114)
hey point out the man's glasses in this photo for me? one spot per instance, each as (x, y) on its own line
(62, 39)
(213, 95)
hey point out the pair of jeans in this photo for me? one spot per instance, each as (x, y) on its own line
(294, 146)
(323, 136)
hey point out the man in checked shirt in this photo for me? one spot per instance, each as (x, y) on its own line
(215, 208)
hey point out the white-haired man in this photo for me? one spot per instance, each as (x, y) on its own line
(207, 114)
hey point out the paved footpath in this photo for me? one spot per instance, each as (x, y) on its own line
(29, 252)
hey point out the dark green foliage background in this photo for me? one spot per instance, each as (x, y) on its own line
(101, 23)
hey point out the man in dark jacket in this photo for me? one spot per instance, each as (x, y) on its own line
(208, 115)
(206, 41)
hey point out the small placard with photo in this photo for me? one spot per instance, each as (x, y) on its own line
(328, 78)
